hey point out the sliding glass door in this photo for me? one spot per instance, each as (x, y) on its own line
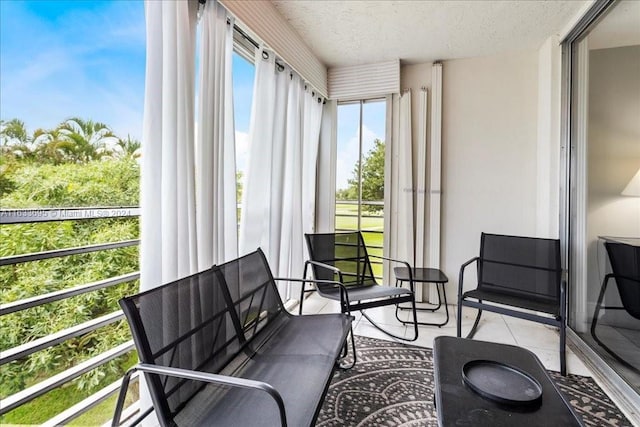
(603, 217)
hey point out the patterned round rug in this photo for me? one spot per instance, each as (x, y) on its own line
(392, 385)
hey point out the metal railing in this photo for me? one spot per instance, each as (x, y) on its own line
(359, 226)
(25, 216)
(32, 216)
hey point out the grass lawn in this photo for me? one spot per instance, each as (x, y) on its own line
(57, 400)
(371, 225)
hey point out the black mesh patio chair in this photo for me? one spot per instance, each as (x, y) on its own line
(343, 257)
(219, 348)
(515, 273)
(625, 266)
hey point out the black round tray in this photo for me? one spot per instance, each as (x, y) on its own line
(502, 383)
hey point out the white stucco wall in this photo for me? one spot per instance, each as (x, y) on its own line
(489, 152)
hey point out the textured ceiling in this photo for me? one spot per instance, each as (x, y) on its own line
(361, 32)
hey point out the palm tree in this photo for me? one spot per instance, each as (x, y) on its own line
(128, 147)
(52, 147)
(86, 140)
(15, 139)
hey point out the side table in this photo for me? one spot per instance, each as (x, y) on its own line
(424, 275)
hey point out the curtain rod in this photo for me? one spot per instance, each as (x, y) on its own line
(238, 29)
(243, 34)
(257, 46)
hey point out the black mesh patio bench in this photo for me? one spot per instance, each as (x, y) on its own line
(516, 273)
(219, 348)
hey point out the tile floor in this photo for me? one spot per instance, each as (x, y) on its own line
(540, 339)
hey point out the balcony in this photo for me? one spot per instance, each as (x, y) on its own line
(97, 408)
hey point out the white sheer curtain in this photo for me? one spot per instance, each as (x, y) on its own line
(215, 142)
(279, 189)
(168, 217)
(400, 213)
(326, 173)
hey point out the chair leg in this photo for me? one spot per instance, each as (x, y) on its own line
(475, 324)
(593, 329)
(415, 321)
(446, 306)
(596, 313)
(391, 334)
(301, 296)
(615, 355)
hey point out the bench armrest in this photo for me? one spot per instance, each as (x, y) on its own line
(208, 378)
(461, 276)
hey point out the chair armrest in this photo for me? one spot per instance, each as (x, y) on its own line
(399, 261)
(344, 295)
(213, 379)
(323, 265)
(461, 276)
(406, 264)
(343, 289)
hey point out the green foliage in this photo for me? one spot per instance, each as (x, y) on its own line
(73, 141)
(96, 183)
(372, 179)
(71, 166)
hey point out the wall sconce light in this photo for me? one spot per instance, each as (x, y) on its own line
(633, 187)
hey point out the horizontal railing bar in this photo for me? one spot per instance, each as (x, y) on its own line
(80, 408)
(25, 350)
(12, 307)
(362, 231)
(361, 216)
(22, 216)
(363, 202)
(64, 377)
(38, 256)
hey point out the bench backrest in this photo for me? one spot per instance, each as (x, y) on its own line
(345, 251)
(199, 323)
(525, 267)
(625, 264)
(253, 292)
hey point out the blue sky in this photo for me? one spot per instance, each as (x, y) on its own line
(73, 58)
(373, 126)
(61, 59)
(80, 58)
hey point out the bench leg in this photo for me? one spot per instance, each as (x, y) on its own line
(459, 318)
(345, 353)
(563, 353)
